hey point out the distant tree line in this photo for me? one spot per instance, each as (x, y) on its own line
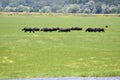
(61, 6)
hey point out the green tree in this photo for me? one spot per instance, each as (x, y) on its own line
(5, 3)
(73, 8)
(22, 8)
(98, 8)
(118, 9)
(1, 9)
(89, 7)
(55, 9)
(46, 9)
(105, 9)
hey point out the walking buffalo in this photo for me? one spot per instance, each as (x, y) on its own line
(89, 30)
(46, 29)
(36, 29)
(55, 29)
(101, 30)
(76, 28)
(27, 29)
(64, 30)
(95, 30)
(49, 29)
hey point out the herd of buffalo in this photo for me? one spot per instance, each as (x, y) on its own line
(29, 29)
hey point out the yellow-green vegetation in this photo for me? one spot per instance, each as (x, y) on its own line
(55, 54)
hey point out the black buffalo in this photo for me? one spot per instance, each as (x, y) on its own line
(49, 29)
(89, 30)
(27, 29)
(36, 29)
(64, 30)
(76, 28)
(95, 30)
(55, 29)
(46, 29)
(101, 30)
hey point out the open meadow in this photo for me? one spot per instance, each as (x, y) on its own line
(59, 54)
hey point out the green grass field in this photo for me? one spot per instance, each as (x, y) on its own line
(55, 54)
